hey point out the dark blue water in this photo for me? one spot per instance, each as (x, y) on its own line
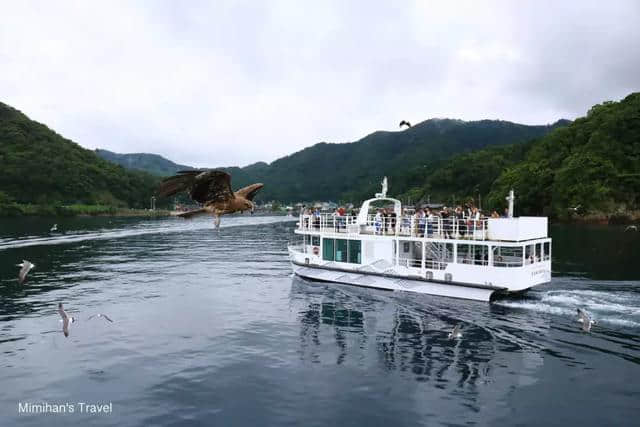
(211, 329)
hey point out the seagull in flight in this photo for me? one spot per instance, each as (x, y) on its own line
(107, 318)
(585, 319)
(66, 320)
(455, 332)
(212, 188)
(25, 267)
(631, 228)
(404, 123)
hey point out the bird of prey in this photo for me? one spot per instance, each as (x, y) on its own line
(54, 228)
(25, 267)
(585, 319)
(455, 332)
(631, 228)
(211, 188)
(404, 123)
(66, 320)
(107, 318)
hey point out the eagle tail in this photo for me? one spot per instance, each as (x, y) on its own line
(191, 214)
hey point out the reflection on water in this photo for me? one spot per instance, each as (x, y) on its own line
(211, 328)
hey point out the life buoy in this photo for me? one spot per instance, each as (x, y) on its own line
(316, 250)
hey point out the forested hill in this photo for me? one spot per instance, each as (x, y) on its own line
(591, 166)
(151, 163)
(41, 167)
(353, 171)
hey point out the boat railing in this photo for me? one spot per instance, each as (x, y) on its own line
(416, 263)
(404, 226)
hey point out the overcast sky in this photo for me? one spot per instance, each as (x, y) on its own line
(218, 83)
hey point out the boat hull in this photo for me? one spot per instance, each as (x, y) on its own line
(396, 283)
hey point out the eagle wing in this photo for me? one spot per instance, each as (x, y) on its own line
(203, 186)
(249, 191)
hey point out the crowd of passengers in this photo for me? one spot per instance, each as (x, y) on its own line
(460, 221)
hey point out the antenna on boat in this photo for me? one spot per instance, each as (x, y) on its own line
(383, 194)
(511, 199)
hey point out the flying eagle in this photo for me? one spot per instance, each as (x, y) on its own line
(212, 189)
(404, 123)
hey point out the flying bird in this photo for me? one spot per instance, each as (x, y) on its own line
(25, 267)
(54, 228)
(66, 320)
(212, 188)
(631, 228)
(404, 123)
(455, 332)
(585, 319)
(107, 318)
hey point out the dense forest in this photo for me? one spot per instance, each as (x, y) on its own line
(590, 167)
(41, 167)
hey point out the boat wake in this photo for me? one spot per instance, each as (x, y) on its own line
(173, 225)
(619, 307)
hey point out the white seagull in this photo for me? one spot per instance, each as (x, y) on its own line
(25, 267)
(455, 332)
(54, 228)
(101, 315)
(585, 319)
(66, 320)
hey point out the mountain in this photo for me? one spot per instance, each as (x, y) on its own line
(151, 163)
(591, 165)
(39, 166)
(352, 171)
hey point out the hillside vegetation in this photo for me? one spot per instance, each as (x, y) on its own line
(353, 171)
(41, 167)
(591, 166)
(151, 163)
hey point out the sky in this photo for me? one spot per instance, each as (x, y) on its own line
(230, 83)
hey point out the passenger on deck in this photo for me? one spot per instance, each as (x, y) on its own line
(446, 222)
(377, 221)
(422, 220)
(495, 214)
(429, 219)
(392, 221)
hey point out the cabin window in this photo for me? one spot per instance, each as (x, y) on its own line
(355, 252)
(315, 240)
(307, 239)
(529, 254)
(406, 247)
(473, 254)
(538, 254)
(327, 249)
(507, 256)
(341, 250)
(547, 251)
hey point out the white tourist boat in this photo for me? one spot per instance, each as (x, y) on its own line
(473, 259)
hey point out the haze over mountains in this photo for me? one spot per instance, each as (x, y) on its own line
(349, 171)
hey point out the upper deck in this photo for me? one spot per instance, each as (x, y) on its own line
(494, 229)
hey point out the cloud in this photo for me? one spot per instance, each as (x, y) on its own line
(231, 83)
